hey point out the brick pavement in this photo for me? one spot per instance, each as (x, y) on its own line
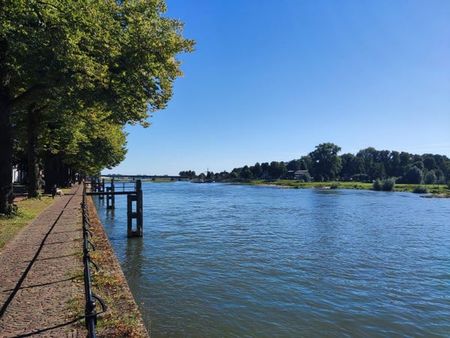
(40, 305)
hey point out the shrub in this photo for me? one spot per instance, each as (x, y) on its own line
(388, 184)
(377, 185)
(334, 186)
(420, 190)
(384, 185)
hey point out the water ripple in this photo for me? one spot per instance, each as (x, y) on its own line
(239, 261)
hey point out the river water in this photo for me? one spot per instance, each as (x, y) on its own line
(221, 260)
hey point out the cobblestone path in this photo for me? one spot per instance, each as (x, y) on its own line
(38, 269)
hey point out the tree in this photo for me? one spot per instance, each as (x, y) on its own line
(256, 170)
(265, 170)
(351, 165)
(210, 175)
(394, 169)
(246, 173)
(326, 164)
(377, 170)
(369, 157)
(413, 175)
(276, 169)
(305, 163)
(188, 173)
(117, 57)
(430, 177)
(429, 162)
(294, 165)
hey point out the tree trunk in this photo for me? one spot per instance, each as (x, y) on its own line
(63, 179)
(6, 196)
(50, 172)
(33, 166)
(55, 172)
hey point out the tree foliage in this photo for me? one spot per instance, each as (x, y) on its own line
(86, 69)
(382, 167)
(326, 164)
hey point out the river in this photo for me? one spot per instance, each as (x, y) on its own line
(221, 260)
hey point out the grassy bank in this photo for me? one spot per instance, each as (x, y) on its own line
(437, 189)
(28, 210)
(122, 319)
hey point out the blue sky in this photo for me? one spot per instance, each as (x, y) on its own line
(271, 79)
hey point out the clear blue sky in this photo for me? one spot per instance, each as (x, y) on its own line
(269, 80)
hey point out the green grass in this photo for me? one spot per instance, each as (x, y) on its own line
(437, 189)
(27, 211)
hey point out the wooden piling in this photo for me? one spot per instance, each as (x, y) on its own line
(137, 215)
(139, 218)
(110, 198)
(101, 189)
(113, 197)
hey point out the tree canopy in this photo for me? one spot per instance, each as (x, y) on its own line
(73, 74)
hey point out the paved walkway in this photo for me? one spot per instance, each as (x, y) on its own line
(38, 269)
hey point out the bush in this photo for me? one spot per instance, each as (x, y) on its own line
(377, 185)
(334, 186)
(384, 185)
(420, 190)
(388, 184)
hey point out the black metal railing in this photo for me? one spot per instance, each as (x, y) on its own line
(90, 297)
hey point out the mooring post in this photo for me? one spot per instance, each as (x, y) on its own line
(113, 197)
(101, 189)
(110, 196)
(136, 197)
(130, 232)
(139, 216)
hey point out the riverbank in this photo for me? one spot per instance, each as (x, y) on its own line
(438, 190)
(41, 283)
(122, 318)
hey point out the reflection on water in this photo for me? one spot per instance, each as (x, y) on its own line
(223, 260)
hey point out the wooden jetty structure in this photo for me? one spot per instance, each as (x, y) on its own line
(134, 202)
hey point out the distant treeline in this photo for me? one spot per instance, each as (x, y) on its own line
(324, 164)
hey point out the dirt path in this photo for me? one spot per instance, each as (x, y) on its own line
(40, 273)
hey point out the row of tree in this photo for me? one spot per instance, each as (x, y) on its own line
(72, 75)
(325, 164)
